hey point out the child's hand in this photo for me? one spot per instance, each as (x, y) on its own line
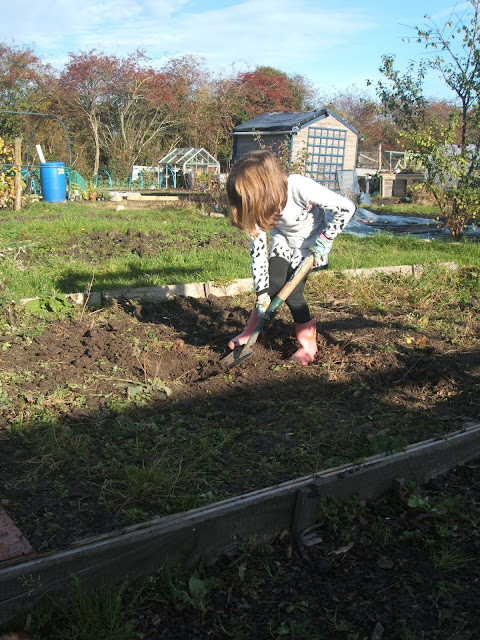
(262, 303)
(320, 249)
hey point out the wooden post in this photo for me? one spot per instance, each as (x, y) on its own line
(18, 176)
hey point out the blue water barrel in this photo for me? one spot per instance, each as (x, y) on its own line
(53, 181)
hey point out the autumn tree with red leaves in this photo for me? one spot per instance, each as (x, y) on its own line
(139, 115)
(87, 86)
(269, 89)
(24, 81)
(122, 102)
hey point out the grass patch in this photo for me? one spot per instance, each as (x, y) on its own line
(393, 207)
(55, 249)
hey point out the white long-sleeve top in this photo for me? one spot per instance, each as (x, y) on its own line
(301, 221)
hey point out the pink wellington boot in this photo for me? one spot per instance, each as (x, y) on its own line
(243, 337)
(307, 338)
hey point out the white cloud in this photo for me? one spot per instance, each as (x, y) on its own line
(333, 41)
(250, 30)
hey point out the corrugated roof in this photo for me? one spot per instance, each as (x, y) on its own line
(280, 121)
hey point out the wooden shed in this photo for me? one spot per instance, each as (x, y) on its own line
(330, 143)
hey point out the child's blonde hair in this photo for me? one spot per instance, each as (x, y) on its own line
(257, 192)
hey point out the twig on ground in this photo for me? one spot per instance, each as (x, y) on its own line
(87, 296)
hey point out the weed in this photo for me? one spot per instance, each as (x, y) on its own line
(423, 504)
(5, 401)
(449, 589)
(142, 393)
(87, 614)
(185, 593)
(56, 304)
(383, 530)
(448, 558)
(336, 622)
(291, 607)
(385, 444)
(415, 536)
(30, 582)
(339, 514)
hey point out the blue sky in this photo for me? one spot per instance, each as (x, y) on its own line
(336, 44)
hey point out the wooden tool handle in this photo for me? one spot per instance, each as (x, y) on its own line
(239, 354)
(290, 285)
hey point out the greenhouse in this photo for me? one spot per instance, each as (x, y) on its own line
(183, 166)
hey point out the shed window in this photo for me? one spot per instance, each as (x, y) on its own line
(326, 154)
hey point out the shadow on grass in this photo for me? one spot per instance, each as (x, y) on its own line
(75, 281)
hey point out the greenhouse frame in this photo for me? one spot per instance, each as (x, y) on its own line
(181, 166)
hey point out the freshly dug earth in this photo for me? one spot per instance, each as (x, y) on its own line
(118, 415)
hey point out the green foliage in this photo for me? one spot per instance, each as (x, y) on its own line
(56, 304)
(339, 514)
(5, 401)
(448, 152)
(187, 593)
(451, 174)
(449, 557)
(423, 504)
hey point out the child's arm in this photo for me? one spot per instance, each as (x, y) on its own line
(343, 210)
(341, 207)
(259, 263)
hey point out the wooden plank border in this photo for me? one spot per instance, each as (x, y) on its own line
(230, 288)
(204, 534)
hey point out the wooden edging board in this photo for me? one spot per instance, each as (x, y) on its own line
(206, 289)
(204, 534)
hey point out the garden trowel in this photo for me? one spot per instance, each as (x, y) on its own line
(242, 352)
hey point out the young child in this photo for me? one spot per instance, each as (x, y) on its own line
(262, 199)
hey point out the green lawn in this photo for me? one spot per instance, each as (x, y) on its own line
(66, 248)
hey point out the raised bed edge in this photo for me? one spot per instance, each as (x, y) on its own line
(204, 534)
(206, 289)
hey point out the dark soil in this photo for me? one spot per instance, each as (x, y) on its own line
(73, 389)
(403, 567)
(89, 403)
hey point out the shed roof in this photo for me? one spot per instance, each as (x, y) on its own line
(285, 121)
